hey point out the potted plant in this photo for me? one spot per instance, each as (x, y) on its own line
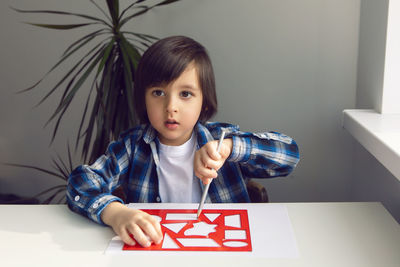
(112, 59)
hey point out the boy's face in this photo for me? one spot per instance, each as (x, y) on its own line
(174, 109)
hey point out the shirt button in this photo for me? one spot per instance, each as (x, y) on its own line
(158, 199)
(77, 198)
(95, 205)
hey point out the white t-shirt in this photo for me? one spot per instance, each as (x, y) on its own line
(177, 182)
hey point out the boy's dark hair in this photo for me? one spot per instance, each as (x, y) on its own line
(164, 61)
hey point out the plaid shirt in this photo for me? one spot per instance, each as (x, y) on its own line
(132, 162)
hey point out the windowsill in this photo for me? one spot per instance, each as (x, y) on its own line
(378, 133)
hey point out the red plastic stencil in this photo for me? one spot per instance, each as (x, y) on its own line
(215, 230)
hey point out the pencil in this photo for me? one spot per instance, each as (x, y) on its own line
(203, 197)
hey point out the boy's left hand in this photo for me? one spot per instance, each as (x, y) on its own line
(207, 161)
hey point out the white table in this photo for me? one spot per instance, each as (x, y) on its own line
(327, 234)
(378, 133)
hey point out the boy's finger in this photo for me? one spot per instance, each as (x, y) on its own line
(150, 230)
(212, 151)
(205, 173)
(206, 181)
(208, 163)
(139, 236)
(225, 151)
(126, 238)
(157, 227)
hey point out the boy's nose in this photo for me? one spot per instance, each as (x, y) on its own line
(171, 105)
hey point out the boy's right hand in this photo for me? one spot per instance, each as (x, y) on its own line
(126, 222)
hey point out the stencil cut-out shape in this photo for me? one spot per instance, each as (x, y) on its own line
(174, 227)
(158, 218)
(181, 217)
(234, 244)
(212, 216)
(183, 231)
(201, 228)
(168, 242)
(235, 234)
(198, 242)
(233, 220)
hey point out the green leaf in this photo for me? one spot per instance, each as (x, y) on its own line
(71, 167)
(62, 200)
(113, 7)
(167, 2)
(59, 187)
(71, 94)
(133, 53)
(90, 35)
(69, 73)
(35, 168)
(60, 116)
(144, 10)
(148, 38)
(128, 80)
(60, 26)
(129, 7)
(62, 168)
(107, 52)
(78, 136)
(89, 129)
(125, 20)
(63, 58)
(54, 195)
(102, 11)
(108, 92)
(55, 12)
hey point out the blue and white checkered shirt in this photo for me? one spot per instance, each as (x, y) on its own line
(132, 163)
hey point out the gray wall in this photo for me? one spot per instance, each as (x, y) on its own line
(372, 41)
(372, 181)
(283, 65)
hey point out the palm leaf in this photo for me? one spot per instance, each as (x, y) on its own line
(61, 26)
(35, 168)
(55, 12)
(128, 8)
(144, 9)
(167, 2)
(92, 53)
(90, 35)
(78, 137)
(101, 10)
(67, 100)
(68, 74)
(63, 58)
(106, 54)
(113, 7)
(109, 110)
(54, 195)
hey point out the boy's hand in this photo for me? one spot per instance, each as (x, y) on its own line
(207, 161)
(125, 221)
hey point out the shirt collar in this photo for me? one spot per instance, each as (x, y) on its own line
(149, 134)
(202, 133)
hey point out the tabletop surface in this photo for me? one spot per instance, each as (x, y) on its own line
(327, 234)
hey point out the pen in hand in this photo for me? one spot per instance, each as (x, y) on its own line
(203, 197)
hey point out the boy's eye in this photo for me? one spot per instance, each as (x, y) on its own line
(157, 93)
(186, 94)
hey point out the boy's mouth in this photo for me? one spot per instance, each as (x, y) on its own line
(171, 124)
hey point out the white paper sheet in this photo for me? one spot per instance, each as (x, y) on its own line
(271, 231)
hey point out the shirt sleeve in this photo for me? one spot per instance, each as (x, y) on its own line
(264, 155)
(89, 188)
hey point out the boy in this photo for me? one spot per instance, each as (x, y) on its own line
(162, 159)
